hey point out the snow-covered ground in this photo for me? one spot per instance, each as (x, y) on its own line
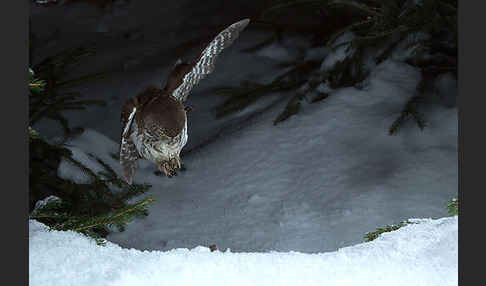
(314, 183)
(417, 254)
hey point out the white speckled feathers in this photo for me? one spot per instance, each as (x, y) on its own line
(204, 65)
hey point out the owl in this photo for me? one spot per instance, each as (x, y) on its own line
(154, 123)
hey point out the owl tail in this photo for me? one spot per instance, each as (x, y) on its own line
(128, 159)
(128, 168)
(128, 172)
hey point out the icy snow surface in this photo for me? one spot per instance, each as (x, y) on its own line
(417, 254)
(316, 182)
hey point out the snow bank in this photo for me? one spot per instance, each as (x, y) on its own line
(316, 182)
(418, 254)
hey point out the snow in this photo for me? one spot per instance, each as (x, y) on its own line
(315, 183)
(317, 53)
(446, 87)
(424, 253)
(44, 202)
(277, 51)
(68, 170)
(102, 148)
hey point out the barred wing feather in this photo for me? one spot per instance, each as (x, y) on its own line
(204, 65)
(128, 151)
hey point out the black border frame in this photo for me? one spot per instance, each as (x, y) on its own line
(14, 115)
(471, 49)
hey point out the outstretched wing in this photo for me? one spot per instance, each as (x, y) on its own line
(204, 65)
(128, 123)
(128, 150)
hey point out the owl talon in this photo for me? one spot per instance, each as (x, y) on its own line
(175, 163)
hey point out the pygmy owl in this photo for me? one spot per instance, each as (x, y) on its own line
(155, 122)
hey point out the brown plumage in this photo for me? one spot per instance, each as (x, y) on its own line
(155, 123)
(155, 106)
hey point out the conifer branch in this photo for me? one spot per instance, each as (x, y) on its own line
(340, 32)
(289, 4)
(410, 111)
(46, 100)
(355, 4)
(111, 218)
(370, 236)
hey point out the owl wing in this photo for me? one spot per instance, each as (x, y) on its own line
(128, 150)
(204, 65)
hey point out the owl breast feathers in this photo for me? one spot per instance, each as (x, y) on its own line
(154, 123)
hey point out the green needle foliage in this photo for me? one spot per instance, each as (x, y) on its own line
(453, 206)
(427, 27)
(279, 6)
(349, 72)
(50, 101)
(410, 111)
(249, 92)
(35, 85)
(381, 19)
(386, 23)
(89, 208)
(97, 204)
(54, 213)
(370, 236)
